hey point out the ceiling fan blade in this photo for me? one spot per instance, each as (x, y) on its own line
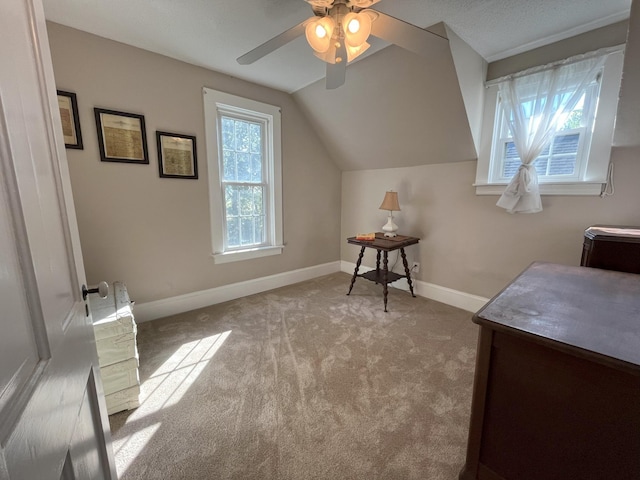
(336, 75)
(403, 34)
(337, 72)
(273, 44)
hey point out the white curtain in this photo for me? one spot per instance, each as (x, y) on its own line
(536, 106)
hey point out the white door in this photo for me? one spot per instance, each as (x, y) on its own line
(53, 423)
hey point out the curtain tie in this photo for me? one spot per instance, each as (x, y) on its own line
(523, 185)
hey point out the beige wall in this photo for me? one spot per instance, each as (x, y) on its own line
(469, 244)
(603, 37)
(628, 120)
(153, 233)
(376, 120)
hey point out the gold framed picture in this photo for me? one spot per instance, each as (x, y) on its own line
(122, 136)
(68, 105)
(177, 155)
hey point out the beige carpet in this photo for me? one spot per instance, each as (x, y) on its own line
(303, 382)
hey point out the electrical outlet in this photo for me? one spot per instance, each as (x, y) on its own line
(415, 267)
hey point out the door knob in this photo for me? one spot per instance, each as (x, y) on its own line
(102, 289)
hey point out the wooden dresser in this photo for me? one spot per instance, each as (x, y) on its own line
(612, 248)
(557, 384)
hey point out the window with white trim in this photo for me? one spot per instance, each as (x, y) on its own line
(576, 161)
(243, 139)
(565, 157)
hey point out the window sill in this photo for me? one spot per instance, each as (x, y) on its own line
(239, 255)
(582, 188)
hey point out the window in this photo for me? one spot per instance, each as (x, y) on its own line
(245, 176)
(563, 160)
(576, 161)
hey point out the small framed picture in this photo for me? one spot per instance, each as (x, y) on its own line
(68, 105)
(122, 136)
(177, 155)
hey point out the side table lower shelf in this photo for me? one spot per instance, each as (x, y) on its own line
(377, 276)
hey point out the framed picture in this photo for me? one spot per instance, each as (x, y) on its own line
(122, 137)
(68, 105)
(177, 155)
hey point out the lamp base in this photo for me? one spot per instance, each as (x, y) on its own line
(390, 228)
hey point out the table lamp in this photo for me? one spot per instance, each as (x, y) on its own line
(390, 203)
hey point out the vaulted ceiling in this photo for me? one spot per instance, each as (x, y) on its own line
(213, 33)
(396, 109)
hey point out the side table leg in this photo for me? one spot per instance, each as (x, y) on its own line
(378, 266)
(355, 272)
(407, 271)
(385, 277)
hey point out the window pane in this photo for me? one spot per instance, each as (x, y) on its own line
(260, 233)
(576, 118)
(557, 159)
(246, 231)
(564, 165)
(256, 167)
(228, 135)
(244, 167)
(256, 138)
(245, 215)
(242, 151)
(541, 165)
(231, 200)
(258, 200)
(511, 160)
(565, 144)
(233, 232)
(229, 166)
(246, 201)
(242, 136)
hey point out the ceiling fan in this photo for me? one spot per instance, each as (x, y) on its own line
(338, 34)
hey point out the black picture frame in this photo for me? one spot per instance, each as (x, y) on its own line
(122, 136)
(177, 157)
(71, 132)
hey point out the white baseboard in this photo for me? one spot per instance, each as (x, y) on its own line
(455, 298)
(191, 301)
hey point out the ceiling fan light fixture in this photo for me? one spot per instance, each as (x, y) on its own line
(319, 32)
(328, 57)
(356, 27)
(362, 3)
(355, 52)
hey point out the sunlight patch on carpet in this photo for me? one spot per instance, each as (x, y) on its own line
(165, 388)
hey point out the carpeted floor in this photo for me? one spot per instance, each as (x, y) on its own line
(302, 382)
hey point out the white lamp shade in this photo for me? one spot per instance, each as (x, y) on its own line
(357, 28)
(355, 52)
(319, 33)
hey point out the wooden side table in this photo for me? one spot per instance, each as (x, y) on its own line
(383, 245)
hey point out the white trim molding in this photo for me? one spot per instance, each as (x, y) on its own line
(191, 301)
(449, 296)
(235, 256)
(145, 312)
(583, 188)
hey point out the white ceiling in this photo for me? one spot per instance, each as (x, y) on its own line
(213, 33)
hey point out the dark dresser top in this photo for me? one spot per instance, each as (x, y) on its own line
(587, 311)
(613, 233)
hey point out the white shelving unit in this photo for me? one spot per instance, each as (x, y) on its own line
(115, 331)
